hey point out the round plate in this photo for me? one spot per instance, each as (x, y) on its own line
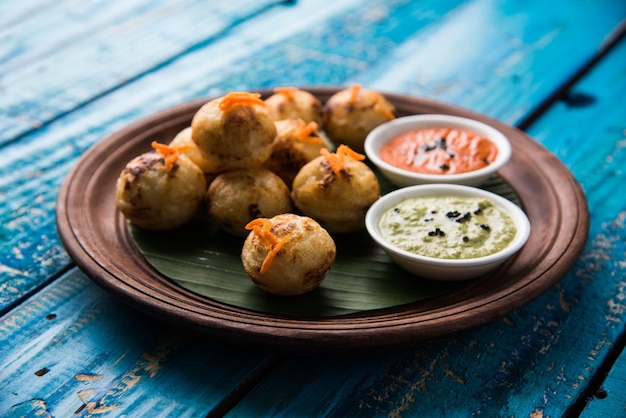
(95, 235)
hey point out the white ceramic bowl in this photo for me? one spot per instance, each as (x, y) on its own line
(401, 177)
(438, 268)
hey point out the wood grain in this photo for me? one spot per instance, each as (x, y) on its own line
(96, 236)
(67, 364)
(75, 61)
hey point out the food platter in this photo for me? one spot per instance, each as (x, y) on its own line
(98, 238)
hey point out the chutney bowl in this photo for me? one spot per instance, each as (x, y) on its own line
(402, 177)
(442, 268)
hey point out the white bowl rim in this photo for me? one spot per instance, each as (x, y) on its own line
(386, 201)
(377, 138)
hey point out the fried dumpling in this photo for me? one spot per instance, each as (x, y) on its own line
(236, 197)
(160, 190)
(287, 254)
(296, 144)
(294, 103)
(236, 130)
(210, 166)
(336, 189)
(352, 113)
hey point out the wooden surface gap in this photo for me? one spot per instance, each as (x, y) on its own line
(597, 380)
(614, 37)
(27, 295)
(245, 387)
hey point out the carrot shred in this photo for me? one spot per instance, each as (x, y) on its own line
(346, 151)
(262, 228)
(272, 254)
(355, 89)
(333, 160)
(306, 130)
(337, 160)
(233, 99)
(288, 92)
(170, 154)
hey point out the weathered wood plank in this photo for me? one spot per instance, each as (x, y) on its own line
(594, 148)
(106, 357)
(12, 13)
(518, 54)
(71, 66)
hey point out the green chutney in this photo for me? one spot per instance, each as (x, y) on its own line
(448, 227)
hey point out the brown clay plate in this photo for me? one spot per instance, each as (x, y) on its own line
(97, 237)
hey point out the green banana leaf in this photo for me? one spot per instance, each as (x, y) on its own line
(203, 259)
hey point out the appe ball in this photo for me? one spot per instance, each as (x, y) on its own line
(336, 189)
(287, 254)
(351, 114)
(160, 193)
(294, 103)
(210, 166)
(296, 144)
(236, 197)
(235, 129)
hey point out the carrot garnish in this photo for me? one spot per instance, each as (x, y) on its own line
(337, 160)
(233, 99)
(355, 89)
(272, 254)
(346, 151)
(333, 160)
(306, 132)
(262, 228)
(288, 92)
(170, 154)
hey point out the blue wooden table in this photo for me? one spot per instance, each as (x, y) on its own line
(72, 73)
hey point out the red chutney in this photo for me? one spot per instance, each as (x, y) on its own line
(439, 151)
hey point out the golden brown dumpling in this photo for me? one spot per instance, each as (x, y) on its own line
(160, 190)
(294, 103)
(183, 141)
(287, 254)
(236, 197)
(296, 144)
(236, 130)
(351, 114)
(336, 189)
